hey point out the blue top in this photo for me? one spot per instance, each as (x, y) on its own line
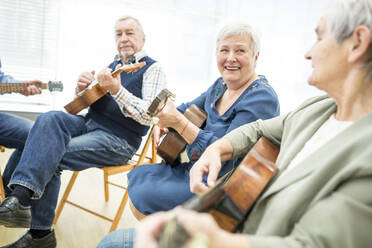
(158, 187)
(258, 101)
(6, 78)
(107, 112)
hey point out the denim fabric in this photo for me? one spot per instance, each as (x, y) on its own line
(118, 239)
(13, 130)
(60, 141)
(13, 134)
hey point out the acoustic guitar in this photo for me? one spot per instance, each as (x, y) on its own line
(18, 87)
(90, 95)
(230, 200)
(173, 143)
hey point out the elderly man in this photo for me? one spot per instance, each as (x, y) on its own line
(108, 135)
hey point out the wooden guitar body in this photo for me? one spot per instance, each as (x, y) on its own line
(89, 96)
(173, 143)
(85, 99)
(231, 199)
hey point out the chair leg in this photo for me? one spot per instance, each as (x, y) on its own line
(65, 196)
(119, 213)
(153, 154)
(2, 192)
(106, 185)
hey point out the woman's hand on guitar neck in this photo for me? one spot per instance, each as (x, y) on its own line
(203, 229)
(84, 80)
(158, 133)
(169, 116)
(149, 229)
(205, 232)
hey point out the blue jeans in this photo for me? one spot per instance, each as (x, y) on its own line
(13, 134)
(118, 239)
(60, 141)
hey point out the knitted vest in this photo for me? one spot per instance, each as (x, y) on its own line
(107, 112)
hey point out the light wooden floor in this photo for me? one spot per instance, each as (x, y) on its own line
(76, 228)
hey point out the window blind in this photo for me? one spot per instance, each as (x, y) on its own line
(28, 45)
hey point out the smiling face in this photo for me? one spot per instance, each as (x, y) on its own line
(129, 38)
(329, 61)
(236, 60)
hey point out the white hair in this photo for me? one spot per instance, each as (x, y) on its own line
(241, 29)
(140, 28)
(343, 16)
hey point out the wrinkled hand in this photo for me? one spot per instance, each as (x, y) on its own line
(148, 230)
(170, 116)
(209, 163)
(31, 89)
(84, 80)
(201, 226)
(158, 133)
(108, 82)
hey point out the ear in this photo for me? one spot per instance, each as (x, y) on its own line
(361, 40)
(256, 57)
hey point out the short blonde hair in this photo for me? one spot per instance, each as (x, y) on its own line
(241, 29)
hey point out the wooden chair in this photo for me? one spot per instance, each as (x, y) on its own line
(2, 192)
(138, 159)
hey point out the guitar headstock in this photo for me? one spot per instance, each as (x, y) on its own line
(55, 86)
(129, 68)
(159, 102)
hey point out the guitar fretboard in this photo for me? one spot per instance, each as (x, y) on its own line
(18, 87)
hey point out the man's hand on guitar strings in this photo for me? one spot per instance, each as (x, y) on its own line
(108, 82)
(84, 80)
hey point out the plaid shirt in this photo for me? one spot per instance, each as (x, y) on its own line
(134, 107)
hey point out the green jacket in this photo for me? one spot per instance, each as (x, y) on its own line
(325, 201)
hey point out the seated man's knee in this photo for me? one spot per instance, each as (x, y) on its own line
(50, 117)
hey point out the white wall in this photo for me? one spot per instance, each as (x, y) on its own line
(181, 35)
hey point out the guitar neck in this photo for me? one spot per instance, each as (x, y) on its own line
(18, 87)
